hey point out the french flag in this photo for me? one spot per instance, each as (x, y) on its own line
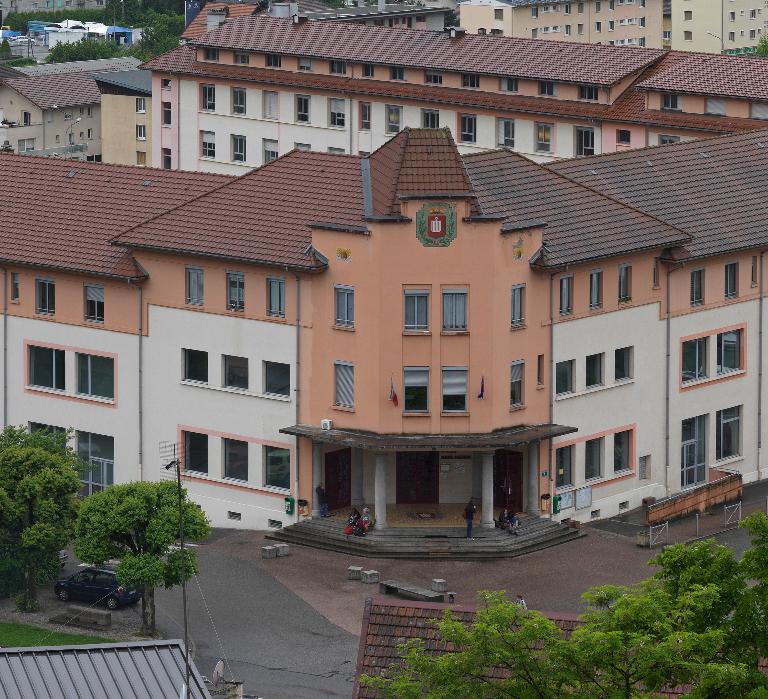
(392, 392)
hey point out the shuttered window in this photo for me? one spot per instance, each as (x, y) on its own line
(760, 110)
(454, 389)
(516, 383)
(416, 389)
(715, 106)
(454, 309)
(94, 303)
(345, 384)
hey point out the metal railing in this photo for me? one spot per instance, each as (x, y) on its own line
(658, 534)
(732, 514)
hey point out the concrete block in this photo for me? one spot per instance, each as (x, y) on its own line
(370, 576)
(354, 573)
(268, 552)
(439, 585)
(282, 549)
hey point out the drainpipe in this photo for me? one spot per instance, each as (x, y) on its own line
(297, 393)
(667, 372)
(5, 347)
(351, 122)
(140, 305)
(760, 368)
(551, 386)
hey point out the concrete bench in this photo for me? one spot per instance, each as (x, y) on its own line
(268, 552)
(354, 573)
(281, 549)
(408, 591)
(88, 618)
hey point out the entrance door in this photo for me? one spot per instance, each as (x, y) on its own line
(338, 478)
(417, 477)
(508, 480)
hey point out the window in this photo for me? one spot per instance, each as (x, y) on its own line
(277, 378)
(668, 140)
(470, 80)
(454, 389)
(621, 446)
(731, 280)
(540, 370)
(277, 463)
(196, 452)
(345, 384)
(269, 104)
(585, 141)
(505, 130)
(94, 303)
(655, 273)
(430, 119)
(194, 284)
(15, 286)
(238, 100)
(397, 73)
(45, 296)
(759, 110)
(416, 389)
(564, 377)
(688, 36)
(235, 291)
(454, 309)
(302, 146)
(729, 351)
(693, 457)
(369, 70)
(534, 12)
(166, 113)
(167, 159)
(518, 305)
(623, 137)
(305, 64)
(394, 118)
(753, 273)
(211, 54)
(276, 297)
(432, 78)
(242, 59)
(564, 466)
(235, 459)
(27, 144)
(596, 288)
(598, 27)
(670, 102)
(195, 365)
(593, 458)
(697, 287)
(337, 67)
(98, 451)
(589, 92)
(468, 128)
(623, 364)
(509, 84)
(625, 283)
(166, 84)
(336, 112)
(365, 116)
(274, 60)
(416, 313)
(728, 437)
(235, 372)
(594, 370)
(208, 97)
(336, 151)
(238, 149)
(543, 138)
(516, 382)
(302, 108)
(566, 295)
(141, 108)
(345, 306)
(46, 367)
(714, 106)
(695, 359)
(498, 14)
(95, 375)
(269, 148)
(207, 144)
(546, 88)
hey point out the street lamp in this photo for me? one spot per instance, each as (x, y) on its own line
(720, 39)
(69, 131)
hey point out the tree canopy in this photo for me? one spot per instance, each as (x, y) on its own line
(84, 50)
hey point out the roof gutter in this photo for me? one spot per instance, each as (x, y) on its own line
(73, 270)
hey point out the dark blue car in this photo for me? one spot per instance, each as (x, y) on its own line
(96, 585)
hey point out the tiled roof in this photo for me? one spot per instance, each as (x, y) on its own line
(582, 223)
(416, 162)
(199, 25)
(389, 623)
(630, 107)
(97, 65)
(264, 216)
(713, 189)
(712, 74)
(524, 58)
(51, 91)
(85, 205)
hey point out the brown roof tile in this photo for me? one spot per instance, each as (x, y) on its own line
(60, 90)
(525, 58)
(85, 205)
(199, 25)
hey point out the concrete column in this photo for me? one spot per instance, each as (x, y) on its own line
(357, 478)
(380, 492)
(487, 520)
(532, 489)
(317, 475)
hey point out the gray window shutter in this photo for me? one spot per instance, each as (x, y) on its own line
(345, 385)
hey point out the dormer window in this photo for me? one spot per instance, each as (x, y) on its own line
(210, 54)
(273, 60)
(671, 102)
(337, 67)
(470, 80)
(588, 92)
(241, 59)
(369, 71)
(397, 73)
(546, 88)
(509, 84)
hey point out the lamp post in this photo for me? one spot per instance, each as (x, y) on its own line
(69, 131)
(720, 39)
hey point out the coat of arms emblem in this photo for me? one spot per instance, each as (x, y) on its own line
(436, 225)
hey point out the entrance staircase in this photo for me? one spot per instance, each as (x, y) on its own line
(432, 543)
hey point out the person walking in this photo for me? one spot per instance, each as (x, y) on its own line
(322, 500)
(469, 516)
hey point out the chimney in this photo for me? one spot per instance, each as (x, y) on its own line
(280, 9)
(215, 18)
(298, 19)
(455, 32)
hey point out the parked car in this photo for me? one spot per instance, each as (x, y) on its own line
(96, 585)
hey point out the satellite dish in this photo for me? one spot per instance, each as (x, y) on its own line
(218, 673)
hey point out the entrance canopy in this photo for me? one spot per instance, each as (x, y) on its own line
(498, 439)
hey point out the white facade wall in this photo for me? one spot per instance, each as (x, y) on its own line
(172, 404)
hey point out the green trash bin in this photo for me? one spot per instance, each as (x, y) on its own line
(289, 503)
(555, 505)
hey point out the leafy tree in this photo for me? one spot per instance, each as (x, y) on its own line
(755, 567)
(5, 49)
(18, 20)
(84, 50)
(762, 47)
(161, 34)
(138, 523)
(21, 62)
(39, 480)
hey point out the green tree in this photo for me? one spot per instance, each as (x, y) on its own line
(18, 20)
(39, 481)
(762, 47)
(161, 33)
(138, 523)
(84, 50)
(5, 49)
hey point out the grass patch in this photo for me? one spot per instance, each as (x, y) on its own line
(22, 635)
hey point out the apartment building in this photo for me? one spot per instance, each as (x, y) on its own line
(401, 337)
(258, 87)
(614, 22)
(715, 26)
